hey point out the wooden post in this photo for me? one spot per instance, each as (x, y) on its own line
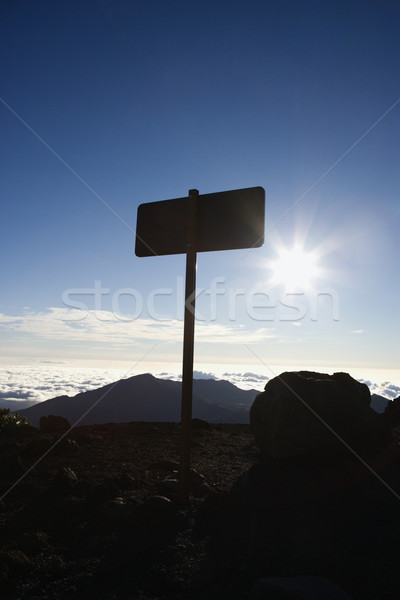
(188, 351)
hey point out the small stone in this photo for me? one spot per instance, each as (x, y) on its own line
(196, 478)
(89, 438)
(170, 485)
(66, 445)
(63, 481)
(200, 424)
(70, 474)
(71, 507)
(103, 492)
(84, 487)
(164, 465)
(126, 481)
(115, 511)
(158, 512)
(203, 490)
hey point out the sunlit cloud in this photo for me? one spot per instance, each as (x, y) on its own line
(66, 325)
(36, 384)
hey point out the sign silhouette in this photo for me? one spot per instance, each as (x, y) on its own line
(224, 221)
(221, 221)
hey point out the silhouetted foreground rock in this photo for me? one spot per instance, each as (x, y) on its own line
(309, 414)
(392, 412)
(97, 518)
(53, 424)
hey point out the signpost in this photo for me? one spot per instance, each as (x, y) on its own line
(221, 221)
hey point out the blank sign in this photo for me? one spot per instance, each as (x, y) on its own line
(224, 221)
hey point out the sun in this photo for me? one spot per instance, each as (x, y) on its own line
(294, 269)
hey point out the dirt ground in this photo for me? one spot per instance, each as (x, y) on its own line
(97, 516)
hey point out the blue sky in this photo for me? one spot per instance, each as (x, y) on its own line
(143, 101)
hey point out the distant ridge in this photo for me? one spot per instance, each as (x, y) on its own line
(379, 403)
(147, 398)
(16, 405)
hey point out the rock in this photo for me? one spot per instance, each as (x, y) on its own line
(107, 490)
(30, 543)
(55, 567)
(196, 478)
(89, 438)
(71, 507)
(170, 486)
(202, 490)
(200, 424)
(313, 414)
(36, 448)
(63, 481)
(392, 412)
(13, 564)
(85, 487)
(54, 424)
(198, 486)
(69, 474)
(158, 512)
(296, 588)
(65, 446)
(164, 465)
(117, 513)
(11, 467)
(126, 482)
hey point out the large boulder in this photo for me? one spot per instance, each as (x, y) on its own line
(313, 414)
(392, 412)
(54, 424)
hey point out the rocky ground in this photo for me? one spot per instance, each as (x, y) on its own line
(97, 517)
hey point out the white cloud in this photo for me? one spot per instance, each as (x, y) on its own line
(65, 324)
(41, 383)
(385, 389)
(8, 318)
(246, 380)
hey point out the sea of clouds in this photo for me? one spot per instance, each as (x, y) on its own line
(35, 384)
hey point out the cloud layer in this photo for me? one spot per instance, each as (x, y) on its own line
(36, 384)
(41, 383)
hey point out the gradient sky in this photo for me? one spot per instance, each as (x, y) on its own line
(109, 104)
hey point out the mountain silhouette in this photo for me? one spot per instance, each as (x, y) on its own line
(147, 398)
(16, 405)
(379, 403)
